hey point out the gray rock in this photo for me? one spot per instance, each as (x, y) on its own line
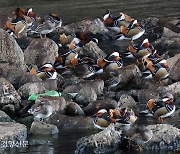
(127, 101)
(9, 109)
(3, 20)
(164, 137)
(93, 26)
(11, 53)
(41, 51)
(92, 50)
(126, 74)
(74, 109)
(13, 132)
(97, 85)
(169, 33)
(95, 106)
(43, 129)
(174, 65)
(174, 89)
(8, 94)
(31, 88)
(102, 142)
(69, 122)
(4, 117)
(85, 96)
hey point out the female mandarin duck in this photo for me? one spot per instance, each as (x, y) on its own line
(45, 72)
(160, 109)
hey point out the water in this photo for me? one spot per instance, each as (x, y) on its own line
(78, 10)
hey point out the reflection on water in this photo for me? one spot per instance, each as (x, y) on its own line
(70, 11)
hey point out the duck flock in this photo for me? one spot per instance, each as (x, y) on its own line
(73, 62)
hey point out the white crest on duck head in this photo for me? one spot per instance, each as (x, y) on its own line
(162, 61)
(115, 54)
(122, 16)
(106, 15)
(48, 65)
(102, 111)
(29, 10)
(145, 41)
(134, 22)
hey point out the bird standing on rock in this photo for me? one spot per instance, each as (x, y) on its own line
(41, 110)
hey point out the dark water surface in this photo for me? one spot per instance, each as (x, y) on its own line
(70, 11)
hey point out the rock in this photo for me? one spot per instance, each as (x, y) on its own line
(74, 109)
(9, 109)
(85, 96)
(174, 89)
(50, 84)
(127, 101)
(41, 51)
(3, 20)
(169, 33)
(165, 137)
(58, 103)
(10, 51)
(152, 28)
(92, 50)
(93, 26)
(24, 42)
(11, 73)
(43, 129)
(95, 106)
(4, 117)
(31, 88)
(102, 142)
(69, 122)
(171, 45)
(97, 85)
(8, 94)
(126, 74)
(14, 132)
(174, 65)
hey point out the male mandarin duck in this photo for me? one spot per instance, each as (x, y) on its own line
(142, 50)
(160, 108)
(159, 71)
(45, 72)
(132, 32)
(15, 28)
(69, 59)
(114, 23)
(123, 116)
(102, 119)
(41, 110)
(107, 65)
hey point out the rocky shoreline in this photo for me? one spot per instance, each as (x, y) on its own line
(69, 112)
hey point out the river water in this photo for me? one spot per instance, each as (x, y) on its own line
(71, 11)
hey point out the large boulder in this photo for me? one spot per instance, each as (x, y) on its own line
(126, 74)
(94, 26)
(11, 53)
(39, 128)
(41, 51)
(93, 51)
(165, 137)
(71, 122)
(8, 94)
(13, 134)
(4, 117)
(102, 142)
(174, 89)
(95, 106)
(174, 64)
